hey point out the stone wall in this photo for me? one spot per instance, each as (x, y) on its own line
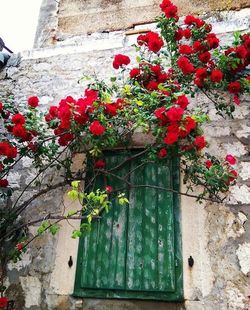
(217, 236)
(63, 19)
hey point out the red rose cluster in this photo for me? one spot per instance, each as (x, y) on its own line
(169, 9)
(177, 124)
(80, 114)
(15, 124)
(150, 76)
(152, 40)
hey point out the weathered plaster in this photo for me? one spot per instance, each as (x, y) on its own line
(243, 254)
(32, 289)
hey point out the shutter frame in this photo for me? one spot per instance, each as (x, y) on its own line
(173, 294)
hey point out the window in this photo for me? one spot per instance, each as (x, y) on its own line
(134, 251)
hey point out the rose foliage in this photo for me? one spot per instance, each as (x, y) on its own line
(155, 96)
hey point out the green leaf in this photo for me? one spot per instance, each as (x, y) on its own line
(76, 234)
(75, 184)
(54, 229)
(138, 59)
(43, 227)
(73, 194)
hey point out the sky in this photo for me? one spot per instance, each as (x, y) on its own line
(18, 22)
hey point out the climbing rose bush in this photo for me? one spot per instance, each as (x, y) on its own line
(155, 96)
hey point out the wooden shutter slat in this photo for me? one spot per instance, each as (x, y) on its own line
(150, 260)
(105, 246)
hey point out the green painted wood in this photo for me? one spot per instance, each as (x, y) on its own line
(135, 252)
(118, 243)
(134, 266)
(150, 257)
(104, 248)
(165, 227)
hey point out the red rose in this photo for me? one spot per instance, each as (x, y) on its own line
(119, 103)
(3, 302)
(53, 111)
(173, 127)
(65, 139)
(19, 246)
(91, 94)
(33, 101)
(175, 114)
(230, 159)
(236, 100)
(234, 87)
(212, 40)
(189, 123)
(11, 152)
(160, 113)
(1, 106)
(204, 57)
(100, 164)
(185, 65)
(110, 109)
(135, 72)
(241, 52)
(32, 146)
(18, 119)
(82, 117)
(199, 142)
(156, 69)
(162, 153)
(216, 76)
(179, 34)
(162, 77)
(152, 85)
(64, 112)
(233, 175)
(189, 19)
(209, 164)
(165, 4)
(109, 189)
(120, 60)
(187, 33)
(142, 39)
(96, 128)
(171, 137)
(155, 44)
(199, 22)
(19, 131)
(4, 148)
(4, 183)
(171, 11)
(185, 49)
(201, 73)
(182, 101)
(199, 82)
(247, 44)
(198, 46)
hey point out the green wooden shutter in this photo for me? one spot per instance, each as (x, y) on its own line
(131, 251)
(103, 250)
(150, 252)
